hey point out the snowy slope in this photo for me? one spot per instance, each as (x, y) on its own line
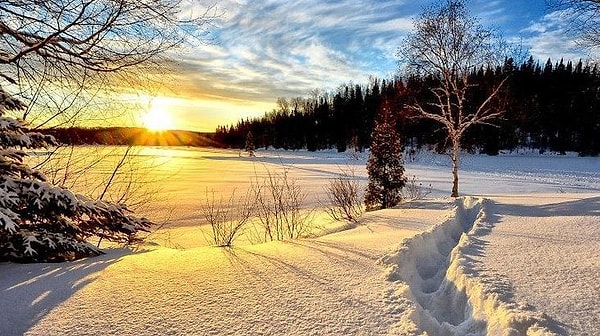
(548, 248)
(331, 285)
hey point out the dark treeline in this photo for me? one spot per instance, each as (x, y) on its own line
(548, 106)
(129, 136)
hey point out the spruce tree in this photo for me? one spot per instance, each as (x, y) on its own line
(385, 165)
(249, 147)
(40, 222)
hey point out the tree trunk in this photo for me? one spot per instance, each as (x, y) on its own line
(455, 149)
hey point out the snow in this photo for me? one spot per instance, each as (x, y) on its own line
(553, 244)
(448, 291)
(518, 256)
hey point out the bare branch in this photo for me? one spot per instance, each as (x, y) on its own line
(583, 17)
(81, 43)
(481, 111)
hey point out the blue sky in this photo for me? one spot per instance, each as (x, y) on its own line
(261, 50)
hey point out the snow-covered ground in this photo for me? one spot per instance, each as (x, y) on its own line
(517, 256)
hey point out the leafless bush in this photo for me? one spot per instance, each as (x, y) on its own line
(65, 167)
(113, 174)
(343, 196)
(279, 207)
(414, 189)
(227, 217)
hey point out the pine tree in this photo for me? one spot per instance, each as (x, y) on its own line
(385, 165)
(40, 222)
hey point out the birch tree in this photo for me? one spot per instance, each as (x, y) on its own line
(446, 47)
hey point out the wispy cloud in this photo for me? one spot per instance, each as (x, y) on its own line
(272, 48)
(550, 37)
(492, 13)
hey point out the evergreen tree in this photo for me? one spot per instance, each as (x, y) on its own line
(385, 165)
(544, 106)
(250, 143)
(40, 222)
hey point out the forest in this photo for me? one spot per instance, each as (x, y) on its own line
(551, 106)
(129, 136)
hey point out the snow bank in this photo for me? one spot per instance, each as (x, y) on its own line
(547, 247)
(439, 289)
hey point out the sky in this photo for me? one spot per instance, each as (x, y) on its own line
(257, 51)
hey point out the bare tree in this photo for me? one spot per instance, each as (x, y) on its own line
(63, 57)
(61, 54)
(447, 46)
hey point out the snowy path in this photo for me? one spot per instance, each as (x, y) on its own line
(429, 298)
(327, 286)
(511, 266)
(442, 288)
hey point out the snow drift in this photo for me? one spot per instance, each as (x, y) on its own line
(440, 288)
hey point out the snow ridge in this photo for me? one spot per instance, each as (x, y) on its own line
(440, 288)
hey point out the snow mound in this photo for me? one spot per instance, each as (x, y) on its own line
(439, 287)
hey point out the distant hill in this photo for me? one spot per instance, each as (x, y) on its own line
(130, 136)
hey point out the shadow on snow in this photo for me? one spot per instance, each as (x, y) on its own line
(30, 291)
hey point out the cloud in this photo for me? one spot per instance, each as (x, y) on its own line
(259, 50)
(395, 25)
(491, 13)
(550, 37)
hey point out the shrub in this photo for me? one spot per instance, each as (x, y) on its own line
(414, 190)
(227, 218)
(279, 206)
(344, 199)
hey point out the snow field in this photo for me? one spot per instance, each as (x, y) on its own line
(507, 265)
(547, 247)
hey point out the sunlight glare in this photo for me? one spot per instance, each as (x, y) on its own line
(158, 118)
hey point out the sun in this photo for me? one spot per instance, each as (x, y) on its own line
(158, 119)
